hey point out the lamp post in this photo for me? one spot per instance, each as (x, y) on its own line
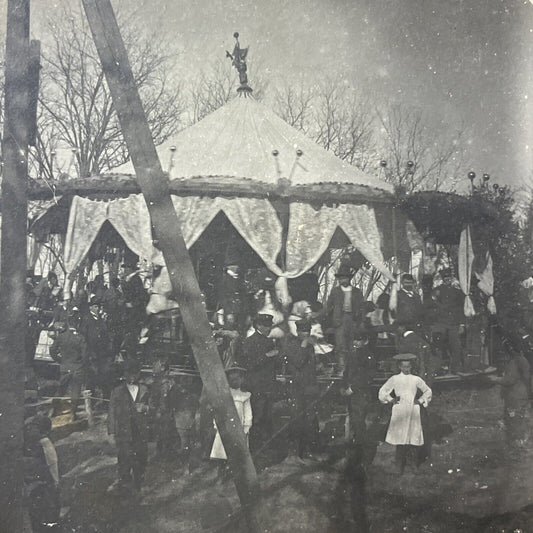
(472, 177)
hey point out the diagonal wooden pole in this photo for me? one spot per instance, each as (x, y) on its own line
(13, 264)
(155, 188)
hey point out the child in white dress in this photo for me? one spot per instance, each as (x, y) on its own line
(243, 405)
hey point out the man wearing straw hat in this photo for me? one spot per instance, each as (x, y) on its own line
(405, 428)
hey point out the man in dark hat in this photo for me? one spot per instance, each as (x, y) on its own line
(450, 317)
(345, 309)
(409, 311)
(359, 372)
(259, 357)
(127, 424)
(301, 365)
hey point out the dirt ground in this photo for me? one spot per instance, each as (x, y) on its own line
(470, 484)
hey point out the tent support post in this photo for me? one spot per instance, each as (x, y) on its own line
(13, 263)
(155, 188)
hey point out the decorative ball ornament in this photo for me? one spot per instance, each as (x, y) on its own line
(275, 153)
(486, 178)
(471, 175)
(172, 149)
(495, 187)
(236, 35)
(410, 164)
(299, 153)
(383, 163)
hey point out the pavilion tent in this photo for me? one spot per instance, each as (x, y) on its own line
(241, 160)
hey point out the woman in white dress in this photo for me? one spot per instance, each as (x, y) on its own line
(405, 428)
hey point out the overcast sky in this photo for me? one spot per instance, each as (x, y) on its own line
(459, 60)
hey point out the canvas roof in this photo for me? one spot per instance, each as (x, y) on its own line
(238, 140)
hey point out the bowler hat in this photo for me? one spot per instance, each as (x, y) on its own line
(264, 320)
(344, 271)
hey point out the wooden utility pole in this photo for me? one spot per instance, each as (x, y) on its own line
(13, 264)
(155, 188)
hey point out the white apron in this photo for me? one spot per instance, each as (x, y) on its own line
(405, 425)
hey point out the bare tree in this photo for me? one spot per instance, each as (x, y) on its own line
(416, 156)
(216, 85)
(77, 111)
(294, 104)
(333, 114)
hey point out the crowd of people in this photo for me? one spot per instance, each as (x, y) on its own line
(102, 338)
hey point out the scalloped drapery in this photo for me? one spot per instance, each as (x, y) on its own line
(309, 233)
(254, 218)
(311, 230)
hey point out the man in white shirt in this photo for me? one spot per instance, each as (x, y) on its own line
(405, 428)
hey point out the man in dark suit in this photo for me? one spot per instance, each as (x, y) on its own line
(135, 297)
(301, 364)
(94, 330)
(344, 309)
(127, 423)
(409, 310)
(259, 359)
(450, 317)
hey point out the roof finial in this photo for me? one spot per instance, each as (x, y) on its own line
(238, 60)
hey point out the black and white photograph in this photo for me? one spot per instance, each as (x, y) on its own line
(266, 266)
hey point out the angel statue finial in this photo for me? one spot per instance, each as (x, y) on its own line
(238, 60)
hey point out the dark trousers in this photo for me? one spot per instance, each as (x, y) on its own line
(303, 431)
(408, 454)
(343, 338)
(358, 409)
(455, 349)
(132, 459)
(263, 425)
(44, 508)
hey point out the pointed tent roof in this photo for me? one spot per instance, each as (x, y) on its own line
(230, 153)
(237, 141)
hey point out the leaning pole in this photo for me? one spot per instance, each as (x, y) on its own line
(155, 188)
(15, 142)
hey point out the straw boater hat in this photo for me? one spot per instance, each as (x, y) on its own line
(235, 369)
(405, 357)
